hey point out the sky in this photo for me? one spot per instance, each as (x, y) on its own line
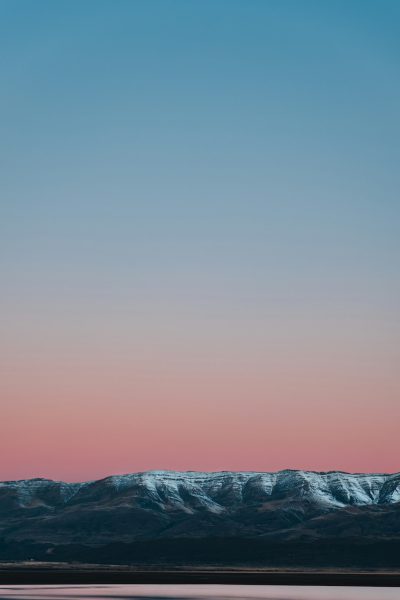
(199, 236)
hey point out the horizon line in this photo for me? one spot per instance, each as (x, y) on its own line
(189, 471)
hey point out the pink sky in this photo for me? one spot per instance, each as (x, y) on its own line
(244, 403)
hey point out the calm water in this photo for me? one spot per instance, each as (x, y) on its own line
(196, 592)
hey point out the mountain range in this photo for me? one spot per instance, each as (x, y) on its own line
(162, 517)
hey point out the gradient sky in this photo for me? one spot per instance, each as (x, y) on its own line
(199, 236)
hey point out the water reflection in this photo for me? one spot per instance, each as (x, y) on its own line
(195, 592)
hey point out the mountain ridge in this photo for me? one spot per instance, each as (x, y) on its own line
(257, 509)
(195, 471)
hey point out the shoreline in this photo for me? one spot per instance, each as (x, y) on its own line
(27, 574)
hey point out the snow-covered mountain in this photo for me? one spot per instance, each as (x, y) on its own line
(216, 492)
(165, 505)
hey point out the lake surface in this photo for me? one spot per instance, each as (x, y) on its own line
(196, 592)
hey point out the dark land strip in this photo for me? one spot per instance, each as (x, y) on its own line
(32, 575)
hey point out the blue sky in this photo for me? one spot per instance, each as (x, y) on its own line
(176, 170)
